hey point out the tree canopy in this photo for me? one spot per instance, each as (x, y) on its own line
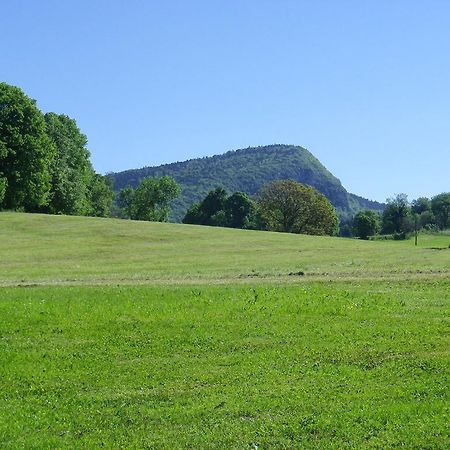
(26, 152)
(397, 215)
(71, 169)
(100, 196)
(247, 170)
(366, 223)
(219, 209)
(150, 200)
(288, 206)
(440, 205)
(44, 162)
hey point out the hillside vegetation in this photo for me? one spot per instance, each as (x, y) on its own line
(247, 170)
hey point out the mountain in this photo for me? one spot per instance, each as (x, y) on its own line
(247, 170)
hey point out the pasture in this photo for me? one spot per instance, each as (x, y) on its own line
(121, 334)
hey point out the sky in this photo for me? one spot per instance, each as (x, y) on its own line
(364, 85)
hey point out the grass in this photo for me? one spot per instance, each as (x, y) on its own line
(134, 335)
(59, 249)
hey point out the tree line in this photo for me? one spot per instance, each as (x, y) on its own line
(45, 167)
(401, 217)
(247, 170)
(282, 205)
(44, 162)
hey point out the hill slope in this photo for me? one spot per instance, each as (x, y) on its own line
(65, 249)
(247, 170)
(182, 336)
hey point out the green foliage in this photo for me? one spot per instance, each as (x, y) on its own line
(26, 152)
(440, 205)
(346, 226)
(125, 202)
(151, 200)
(44, 162)
(291, 207)
(240, 211)
(71, 169)
(219, 209)
(3, 185)
(420, 205)
(247, 170)
(427, 220)
(366, 223)
(100, 196)
(397, 216)
(210, 207)
(193, 215)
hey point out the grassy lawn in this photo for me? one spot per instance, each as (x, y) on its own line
(144, 335)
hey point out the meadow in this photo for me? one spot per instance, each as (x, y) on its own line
(121, 334)
(43, 249)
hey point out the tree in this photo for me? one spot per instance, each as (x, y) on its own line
(26, 152)
(366, 223)
(427, 220)
(211, 205)
(151, 199)
(420, 205)
(239, 211)
(219, 209)
(71, 170)
(100, 196)
(440, 204)
(193, 215)
(288, 206)
(346, 225)
(125, 202)
(210, 211)
(397, 215)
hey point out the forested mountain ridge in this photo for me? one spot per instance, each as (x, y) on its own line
(247, 170)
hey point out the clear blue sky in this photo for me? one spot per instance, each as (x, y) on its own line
(364, 85)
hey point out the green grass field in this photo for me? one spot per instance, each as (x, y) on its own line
(78, 250)
(120, 334)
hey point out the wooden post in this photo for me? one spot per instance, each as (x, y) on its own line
(415, 230)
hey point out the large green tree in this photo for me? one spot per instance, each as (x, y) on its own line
(288, 206)
(366, 223)
(210, 211)
(150, 200)
(240, 211)
(71, 170)
(440, 204)
(100, 196)
(420, 205)
(218, 209)
(26, 152)
(397, 216)
(212, 207)
(125, 200)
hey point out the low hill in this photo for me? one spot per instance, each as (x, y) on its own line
(247, 170)
(66, 249)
